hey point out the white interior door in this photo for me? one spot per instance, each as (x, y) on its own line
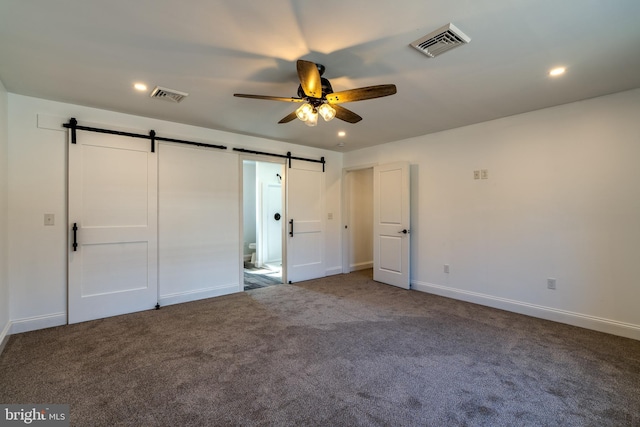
(391, 206)
(305, 225)
(272, 227)
(113, 202)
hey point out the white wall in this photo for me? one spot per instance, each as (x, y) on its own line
(4, 284)
(199, 222)
(266, 173)
(37, 185)
(333, 206)
(562, 201)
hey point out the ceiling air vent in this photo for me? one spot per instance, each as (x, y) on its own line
(168, 94)
(441, 40)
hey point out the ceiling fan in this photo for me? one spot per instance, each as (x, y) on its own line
(318, 98)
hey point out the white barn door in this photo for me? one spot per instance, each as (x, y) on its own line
(305, 225)
(391, 206)
(113, 203)
(199, 218)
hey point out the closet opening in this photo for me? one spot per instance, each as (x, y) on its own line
(358, 214)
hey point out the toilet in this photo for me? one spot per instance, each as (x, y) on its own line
(252, 246)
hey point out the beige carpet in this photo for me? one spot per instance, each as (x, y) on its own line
(340, 351)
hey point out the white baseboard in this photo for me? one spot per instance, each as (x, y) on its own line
(38, 322)
(4, 336)
(609, 326)
(199, 294)
(361, 266)
(333, 271)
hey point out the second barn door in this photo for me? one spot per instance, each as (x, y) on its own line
(305, 221)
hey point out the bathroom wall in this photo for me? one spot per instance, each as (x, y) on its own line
(249, 205)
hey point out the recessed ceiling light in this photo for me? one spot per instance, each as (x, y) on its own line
(341, 133)
(557, 71)
(140, 86)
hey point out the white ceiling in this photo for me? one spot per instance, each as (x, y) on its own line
(91, 52)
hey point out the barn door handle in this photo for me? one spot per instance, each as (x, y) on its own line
(291, 227)
(75, 236)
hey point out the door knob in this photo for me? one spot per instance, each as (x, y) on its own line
(277, 217)
(405, 231)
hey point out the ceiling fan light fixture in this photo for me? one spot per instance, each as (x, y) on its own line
(327, 112)
(312, 118)
(304, 111)
(318, 98)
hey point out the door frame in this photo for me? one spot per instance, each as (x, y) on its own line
(262, 159)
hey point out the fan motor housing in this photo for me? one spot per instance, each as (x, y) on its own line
(326, 89)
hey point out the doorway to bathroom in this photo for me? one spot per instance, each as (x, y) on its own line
(263, 219)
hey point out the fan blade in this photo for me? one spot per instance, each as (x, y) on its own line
(309, 78)
(361, 94)
(268, 98)
(288, 118)
(346, 115)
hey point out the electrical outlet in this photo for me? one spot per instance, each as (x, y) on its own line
(484, 174)
(446, 268)
(476, 174)
(49, 219)
(551, 283)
